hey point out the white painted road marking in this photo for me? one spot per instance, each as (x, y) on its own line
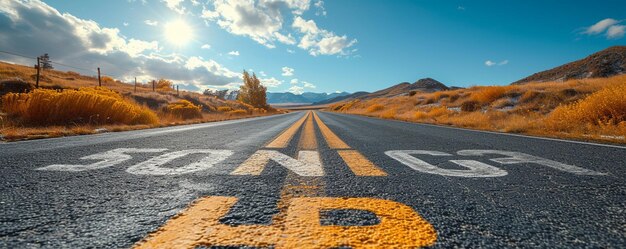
(474, 168)
(154, 165)
(518, 157)
(307, 164)
(109, 159)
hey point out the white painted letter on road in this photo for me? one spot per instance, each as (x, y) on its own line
(518, 157)
(109, 158)
(307, 164)
(154, 165)
(474, 168)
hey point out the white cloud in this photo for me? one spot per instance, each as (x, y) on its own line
(460, 8)
(490, 63)
(125, 24)
(262, 74)
(175, 5)
(320, 41)
(296, 90)
(271, 82)
(600, 26)
(151, 22)
(319, 5)
(287, 71)
(290, 51)
(610, 27)
(261, 21)
(616, 31)
(31, 22)
(294, 81)
(205, 46)
(308, 85)
(234, 53)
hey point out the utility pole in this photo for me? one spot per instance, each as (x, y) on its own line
(177, 92)
(135, 84)
(154, 85)
(38, 69)
(99, 80)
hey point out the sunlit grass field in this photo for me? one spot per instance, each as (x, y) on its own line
(68, 103)
(588, 109)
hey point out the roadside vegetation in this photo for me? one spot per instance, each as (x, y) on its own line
(589, 109)
(68, 103)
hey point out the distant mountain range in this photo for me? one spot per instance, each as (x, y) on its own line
(304, 98)
(606, 63)
(404, 88)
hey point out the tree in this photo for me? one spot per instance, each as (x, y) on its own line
(164, 85)
(252, 92)
(220, 94)
(45, 62)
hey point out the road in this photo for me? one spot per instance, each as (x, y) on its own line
(311, 179)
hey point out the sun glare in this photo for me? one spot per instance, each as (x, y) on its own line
(178, 32)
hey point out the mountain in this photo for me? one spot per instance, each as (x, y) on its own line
(340, 98)
(424, 85)
(608, 62)
(304, 98)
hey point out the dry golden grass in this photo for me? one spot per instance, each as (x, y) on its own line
(606, 108)
(375, 108)
(84, 106)
(389, 114)
(85, 109)
(590, 109)
(184, 109)
(238, 112)
(224, 109)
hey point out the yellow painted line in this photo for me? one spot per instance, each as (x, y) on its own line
(283, 139)
(334, 142)
(399, 226)
(307, 139)
(360, 165)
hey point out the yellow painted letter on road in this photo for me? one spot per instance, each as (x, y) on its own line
(399, 226)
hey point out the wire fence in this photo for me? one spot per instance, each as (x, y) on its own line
(96, 71)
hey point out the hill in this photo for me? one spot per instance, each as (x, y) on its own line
(341, 98)
(606, 63)
(422, 85)
(81, 107)
(304, 98)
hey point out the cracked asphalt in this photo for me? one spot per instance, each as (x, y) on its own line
(109, 207)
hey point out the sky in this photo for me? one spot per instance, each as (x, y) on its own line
(310, 45)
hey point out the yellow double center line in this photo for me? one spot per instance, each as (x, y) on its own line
(301, 199)
(358, 163)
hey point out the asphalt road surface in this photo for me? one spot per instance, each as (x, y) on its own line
(311, 179)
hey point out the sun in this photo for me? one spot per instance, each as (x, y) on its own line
(178, 32)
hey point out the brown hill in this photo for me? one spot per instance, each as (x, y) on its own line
(423, 85)
(606, 63)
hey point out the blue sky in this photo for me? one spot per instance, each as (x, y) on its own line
(319, 46)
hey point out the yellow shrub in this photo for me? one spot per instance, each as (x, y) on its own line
(375, 108)
(238, 112)
(184, 109)
(389, 114)
(607, 106)
(224, 109)
(86, 105)
(488, 94)
(420, 115)
(439, 111)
